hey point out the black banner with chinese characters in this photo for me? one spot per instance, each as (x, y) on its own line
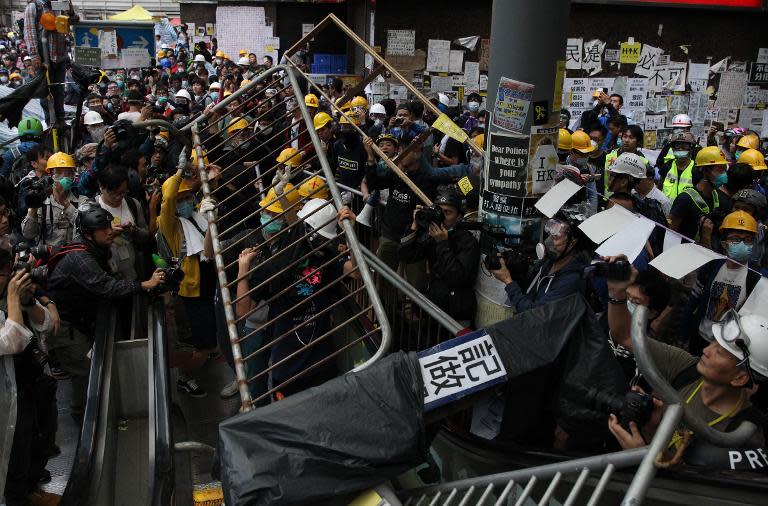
(520, 207)
(758, 73)
(507, 165)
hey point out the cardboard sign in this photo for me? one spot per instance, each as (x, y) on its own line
(630, 52)
(508, 165)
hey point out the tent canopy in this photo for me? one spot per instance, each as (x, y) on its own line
(135, 13)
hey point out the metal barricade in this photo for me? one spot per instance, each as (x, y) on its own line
(308, 314)
(547, 482)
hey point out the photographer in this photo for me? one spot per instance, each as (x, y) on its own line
(35, 433)
(52, 221)
(716, 387)
(78, 282)
(37, 160)
(560, 274)
(453, 256)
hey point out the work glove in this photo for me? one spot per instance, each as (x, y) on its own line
(281, 179)
(207, 205)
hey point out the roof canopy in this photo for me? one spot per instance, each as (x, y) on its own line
(135, 13)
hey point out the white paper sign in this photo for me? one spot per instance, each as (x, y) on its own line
(634, 98)
(612, 55)
(604, 83)
(543, 165)
(654, 121)
(629, 241)
(134, 57)
(678, 261)
(551, 202)
(472, 75)
(576, 85)
(306, 28)
(573, 54)
(762, 55)
(764, 129)
(592, 61)
(108, 43)
(604, 224)
(459, 367)
(755, 303)
(438, 55)
(483, 82)
(456, 61)
(441, 83)
(649, 58)
(401, 42)
(671, 239)
(698, 71)
(730, 93)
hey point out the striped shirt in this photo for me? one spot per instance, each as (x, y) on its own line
(57, 43)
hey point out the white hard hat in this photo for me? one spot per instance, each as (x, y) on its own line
(199, 58)
(682, 120)
(215, 85)
(164, 46)
(378, 109)
(444, 99)
(244, 61)
(630, 164)
(322, 221)
(183, 94)
(735, 333)
(92, 118)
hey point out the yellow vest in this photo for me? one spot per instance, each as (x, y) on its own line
(675, 183)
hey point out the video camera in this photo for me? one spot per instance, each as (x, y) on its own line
(619, 270)
(38, 190)
(428, 215)
(517, 257)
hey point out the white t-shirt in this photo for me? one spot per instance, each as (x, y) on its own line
(133, 117)
(658, 196)
(729, 290)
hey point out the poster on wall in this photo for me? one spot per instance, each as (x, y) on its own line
(512, 104)
(438, 55)
(401, 42)
(573, 54)
(507, 165)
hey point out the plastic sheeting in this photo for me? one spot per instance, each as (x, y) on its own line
(350, 434)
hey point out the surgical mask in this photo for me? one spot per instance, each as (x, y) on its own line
(378, 122)
(185, 209)
(473, 106)
(739, 251)
(721, 180)
(737, 154)
(481, 125)
(97, 133)
(619, 142)
(271, 227)
(184, 84)
(681, 154)
(631, 306)
(64, 182)
(3, 79)
(218, 61)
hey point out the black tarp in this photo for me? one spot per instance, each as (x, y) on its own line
(350, 434)
(361, 429)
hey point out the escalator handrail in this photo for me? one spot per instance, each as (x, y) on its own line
(80, 485)
(161, 475)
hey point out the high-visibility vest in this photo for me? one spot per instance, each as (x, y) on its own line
(701, 204)
(675, 183)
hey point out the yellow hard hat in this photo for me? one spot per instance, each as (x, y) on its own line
(711, 155)
(193, 158)
(60, 160)
(236, 125)
(564, 141)
(11, 34)
(314, 186)
(185, 186)
(739, 220)
(243, 52)
(165, 134)
(161, 53)
(359, 101)
(345, 106)
(220, 54)
(749, 141)
(15, 75)
(754, 158)
(227, 93)
(244, 83)
(272, 203)
(310, 100)
(321, 119)
(581, 142)
(479, 140)
(351, 115)
(290, 156)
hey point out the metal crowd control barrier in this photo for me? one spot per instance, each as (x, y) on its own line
(523, 485)
(230, 219)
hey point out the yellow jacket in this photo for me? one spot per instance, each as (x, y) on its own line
(171, 229)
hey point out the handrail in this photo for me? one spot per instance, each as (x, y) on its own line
(669, 395)
(161, 468)
(82, 487)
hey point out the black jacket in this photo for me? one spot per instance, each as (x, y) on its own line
(453, 268)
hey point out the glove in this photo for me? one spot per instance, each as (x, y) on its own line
(182, 159)
(281, 179)
(207, 205)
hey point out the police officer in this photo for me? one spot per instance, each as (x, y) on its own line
(78, 280)
(453, 256)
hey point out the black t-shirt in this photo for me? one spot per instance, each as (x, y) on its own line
(453, 148)
(684, 208)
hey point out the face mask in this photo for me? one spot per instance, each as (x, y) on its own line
(378, 122)
(681, 154)
(3, 79)
(162, 100)
(272, 227)
(631, 306)
(473, 106)
(739, 251)
(721, 180)
(215, 95)
(97, 133)
(481, 126)
(185, 209)
(184, 84)
(619, 142)
(65, 182)
(738, 154)
(218, 61)
(550, 249)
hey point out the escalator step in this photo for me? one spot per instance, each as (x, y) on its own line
(208, 495)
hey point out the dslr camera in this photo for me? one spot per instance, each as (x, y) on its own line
(427, 215)
(171, 267)
(619, 270)
(38, 190)
(39, 274)
(631, 407)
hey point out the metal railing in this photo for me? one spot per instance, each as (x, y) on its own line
(278, 274)
(161, 463)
